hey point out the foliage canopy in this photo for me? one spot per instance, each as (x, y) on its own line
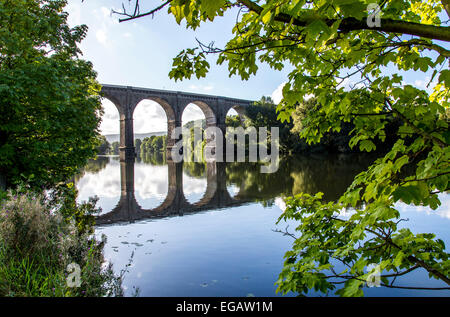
(49, 99)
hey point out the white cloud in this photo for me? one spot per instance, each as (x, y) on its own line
(192, 112)
(149, 116)
(151, 181)
(105, 11)
(193, 185)
(442, 211)
(233, 190)
(277, 95)
(208, 88)
(104, 184)
(279, 202)
(74, 10)
(104, 26)
(349, 84)
(422, 84)
(101, 36)
(110, 118)
(232, 112)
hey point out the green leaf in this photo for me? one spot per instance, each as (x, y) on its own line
(211, 7)
(367, 146)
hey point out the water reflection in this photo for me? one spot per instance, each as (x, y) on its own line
(309, 174)
(216, 195)
(214, 185)
(225, 244)
(101, 178)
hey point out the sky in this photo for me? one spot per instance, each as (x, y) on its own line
(140, 52)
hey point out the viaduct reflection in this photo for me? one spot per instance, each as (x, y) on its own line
(309, 174)
(128, 210)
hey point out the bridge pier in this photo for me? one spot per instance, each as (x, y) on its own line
(126, 149)
(215, 148)
(127, 206)
(172, 139)
(126, 99)
(178, 202)
(127, 177)
(175, 204)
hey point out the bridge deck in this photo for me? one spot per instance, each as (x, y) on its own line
(152, 91)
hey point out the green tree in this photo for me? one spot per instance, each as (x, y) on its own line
(104, 147)
(50, 102)
(336, 48)
(338, 141)
(115, 148)
(137, 145)
(190, 144)
(233, 121)
(263, 113)
(144, 146)
(157, 144)
(153, 144)
(196, 123)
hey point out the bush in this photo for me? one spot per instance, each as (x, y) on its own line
(37, 243)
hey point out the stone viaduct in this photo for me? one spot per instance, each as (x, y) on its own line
(126, 99)
(128, 210)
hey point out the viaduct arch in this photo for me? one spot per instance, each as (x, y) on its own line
(126, 98)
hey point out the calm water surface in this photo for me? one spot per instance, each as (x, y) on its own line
(210, 229)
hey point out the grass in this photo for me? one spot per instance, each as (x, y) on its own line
(38, 242)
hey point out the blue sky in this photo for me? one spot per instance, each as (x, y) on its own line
(140, 52)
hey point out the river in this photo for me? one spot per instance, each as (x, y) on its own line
(197, 229)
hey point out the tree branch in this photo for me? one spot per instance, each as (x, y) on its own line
(136, 16)
(416, 129)
(446, 5)
(351, 24)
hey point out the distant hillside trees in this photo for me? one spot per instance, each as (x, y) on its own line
(137, 146)
(114, 150)
(153, 144)
(104, 148)
(263, 114)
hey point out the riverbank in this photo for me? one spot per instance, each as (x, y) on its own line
(44, 253)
